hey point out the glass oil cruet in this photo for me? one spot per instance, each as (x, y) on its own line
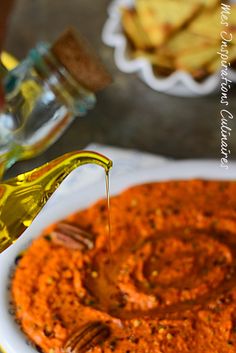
(22, 197)
(44, 93)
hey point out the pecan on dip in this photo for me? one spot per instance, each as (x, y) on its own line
(169, 285)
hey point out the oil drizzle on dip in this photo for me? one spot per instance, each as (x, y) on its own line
(109, 241)
(171, 288)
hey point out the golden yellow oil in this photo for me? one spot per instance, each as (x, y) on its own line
(2, 350)
(22, 197)
(109, 240)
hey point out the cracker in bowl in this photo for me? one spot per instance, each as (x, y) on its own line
(178, 35)
(162, 18)
(134, 29)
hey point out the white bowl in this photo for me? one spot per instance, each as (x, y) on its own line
(179, 83)
(12, 339)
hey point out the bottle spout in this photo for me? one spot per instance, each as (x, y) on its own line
(22, 197)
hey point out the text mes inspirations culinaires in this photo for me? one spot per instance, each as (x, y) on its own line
(225, 84)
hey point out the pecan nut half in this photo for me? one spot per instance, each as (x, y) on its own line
(87, 337)
(72, 236)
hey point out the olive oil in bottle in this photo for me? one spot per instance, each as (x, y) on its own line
(22, 197)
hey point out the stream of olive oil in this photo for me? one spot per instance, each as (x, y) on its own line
(109, 240)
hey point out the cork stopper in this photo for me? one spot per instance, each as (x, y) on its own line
(75, 53)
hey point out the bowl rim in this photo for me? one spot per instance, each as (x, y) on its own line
(12, 339)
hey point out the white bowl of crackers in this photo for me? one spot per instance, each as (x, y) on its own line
(173, 45)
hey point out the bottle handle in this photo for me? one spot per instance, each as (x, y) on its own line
(3, 70)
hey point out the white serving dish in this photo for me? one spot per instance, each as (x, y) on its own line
(62, 204)
(179, 83)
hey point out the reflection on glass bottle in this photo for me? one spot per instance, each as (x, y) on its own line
(42, 98)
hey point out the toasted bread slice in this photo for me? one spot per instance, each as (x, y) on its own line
(155, 58)
(162, 18)
(134, 30)
(232, 23)
(210, 3)
(215, 65)
(207, 24)
(163, 66)
(196, 61)
(185, 42)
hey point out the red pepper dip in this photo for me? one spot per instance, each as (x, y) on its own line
(170, 286)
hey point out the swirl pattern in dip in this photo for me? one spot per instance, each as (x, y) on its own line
(169, 288)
